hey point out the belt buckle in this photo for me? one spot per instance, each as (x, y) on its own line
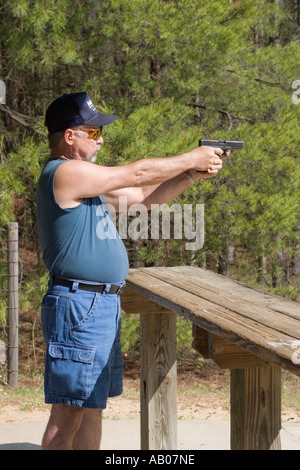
(120, 290)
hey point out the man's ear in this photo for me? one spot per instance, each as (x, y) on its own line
(68, 136)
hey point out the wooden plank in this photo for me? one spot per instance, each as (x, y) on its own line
(134, 303)
(202, 342)
(225, 354)
(199, 310)
(283, 340)
(256, 408)
(250, 293)
(219, 320)
(158, 382)
(264, 316)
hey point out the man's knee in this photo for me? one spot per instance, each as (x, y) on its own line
(66, 417)
(63, 424)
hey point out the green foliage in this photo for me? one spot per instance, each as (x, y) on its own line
(174, 71)
(158, 129)
(130, 335)
(40, 34)
(19, 176)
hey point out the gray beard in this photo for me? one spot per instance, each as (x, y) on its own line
(93, 157)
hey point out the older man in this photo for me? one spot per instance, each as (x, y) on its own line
(81, 309)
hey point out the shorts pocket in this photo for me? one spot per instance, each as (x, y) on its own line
(48, 315)
(71, 370)
(82, 309)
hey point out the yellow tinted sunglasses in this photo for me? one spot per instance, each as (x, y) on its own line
(93, 133)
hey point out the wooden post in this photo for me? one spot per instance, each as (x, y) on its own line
(158, 381)
(13, 312)
(256, 408)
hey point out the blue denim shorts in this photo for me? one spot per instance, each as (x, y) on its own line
(81, 329)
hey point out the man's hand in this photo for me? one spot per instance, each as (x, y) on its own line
(207, 159)
(212, 171)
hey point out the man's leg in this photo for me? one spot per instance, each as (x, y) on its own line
(63, 424)
(88, 436)
(72, 427)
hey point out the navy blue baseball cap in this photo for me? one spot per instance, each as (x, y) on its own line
(72, 110)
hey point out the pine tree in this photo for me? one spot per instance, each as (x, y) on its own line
(174, 71)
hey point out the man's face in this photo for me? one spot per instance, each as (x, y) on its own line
(85, 146)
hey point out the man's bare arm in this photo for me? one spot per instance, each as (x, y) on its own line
(155, 194)
(76, 180)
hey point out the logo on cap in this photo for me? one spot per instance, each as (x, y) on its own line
(90, 105)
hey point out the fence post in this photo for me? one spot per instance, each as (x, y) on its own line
(13, 311)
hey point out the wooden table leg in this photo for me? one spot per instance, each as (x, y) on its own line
(158, 381)
(256, 408)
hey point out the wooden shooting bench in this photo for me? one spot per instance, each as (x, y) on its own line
(252, 333)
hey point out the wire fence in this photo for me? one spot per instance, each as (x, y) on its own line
(9, 303)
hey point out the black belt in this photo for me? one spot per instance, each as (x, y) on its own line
(90, 287)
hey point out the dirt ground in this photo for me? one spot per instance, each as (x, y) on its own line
(201, 394)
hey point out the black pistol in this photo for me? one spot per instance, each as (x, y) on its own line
(225, 145)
